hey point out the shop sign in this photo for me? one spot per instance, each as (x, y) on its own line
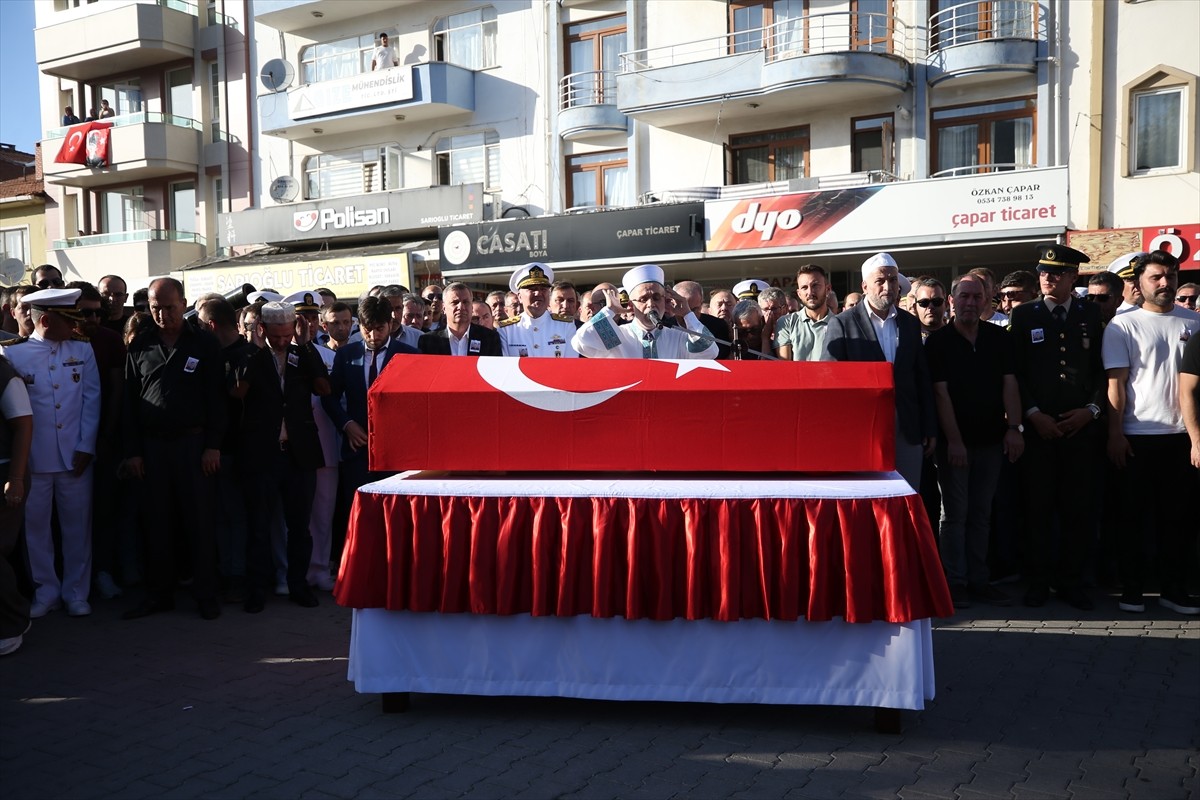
(348, 277)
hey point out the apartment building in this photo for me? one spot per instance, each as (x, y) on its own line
(723, 139)
(165, 82)
(23, 204)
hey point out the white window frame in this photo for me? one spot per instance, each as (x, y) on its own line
(312, 55)
(487, 142)
(449, 27)
(23, 230)
(1134, 132)
(371, 161)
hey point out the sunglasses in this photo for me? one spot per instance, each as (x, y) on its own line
(1011, 295)
(431, 297)
(936, 302)
(1097, 298)
(1186, 299)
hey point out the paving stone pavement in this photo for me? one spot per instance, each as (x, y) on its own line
(1047, 705)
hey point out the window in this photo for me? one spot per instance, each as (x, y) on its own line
(124, 210)
(343, 58)
(954, 22)
(769, 156)
(593, 59)
(985, 138)
(781, 21)
(183, 206)
(1158, 139)
(871, 25)
(214, 90)
(467, 39)
(14, 243)
(179, 93)
(372, 169)
(124, 97)
(64, 5)
(469, 158)
(599, 179)
(871, 141)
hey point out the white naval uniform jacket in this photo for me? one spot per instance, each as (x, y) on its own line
(602, 337)
(64, 392)
(548, 336)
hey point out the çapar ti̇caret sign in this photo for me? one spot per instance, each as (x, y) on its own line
(941, 209)
(631, 234)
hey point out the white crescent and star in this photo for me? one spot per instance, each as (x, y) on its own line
(505, 375)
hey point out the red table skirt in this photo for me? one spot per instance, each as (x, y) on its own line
(785, 558)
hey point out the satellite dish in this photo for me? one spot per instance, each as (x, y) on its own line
(12, 270)
(285, 189)
(277, 74)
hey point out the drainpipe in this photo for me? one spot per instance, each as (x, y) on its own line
(248, 77)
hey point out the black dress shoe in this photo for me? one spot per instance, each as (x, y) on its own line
(255, 600)
(1036, 596)
(303, 598)
(209, 608)
(148, 607)
(1077, 598)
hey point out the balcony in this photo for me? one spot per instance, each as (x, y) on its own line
(978, 42)
(108, 41)
(289, 16)
(981, 169)
(421, 92)
(587, 106)
(141, 147)
(138, 253)
(810, 62)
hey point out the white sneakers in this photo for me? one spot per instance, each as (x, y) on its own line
(78, 608)
(40, 609)
(75, 608)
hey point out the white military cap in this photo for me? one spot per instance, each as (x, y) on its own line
(646, 273)
(1123, 266)
(750, 289)
(878, 261)
(263, 295)
(277, 313)
(61, 301)
(532, 275)
(304, 300)
(905, 283)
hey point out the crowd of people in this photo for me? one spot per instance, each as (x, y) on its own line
(217, 445)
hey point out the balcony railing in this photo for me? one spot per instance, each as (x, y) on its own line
(983, 20)
(137, 118)
(593, 88)
(980, 169)
(180, 5)
(810, 34)
(121, 237)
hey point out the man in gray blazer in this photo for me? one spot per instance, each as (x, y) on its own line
(877, 330)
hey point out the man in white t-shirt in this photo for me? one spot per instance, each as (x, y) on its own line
(1147, 441)
(383, 56)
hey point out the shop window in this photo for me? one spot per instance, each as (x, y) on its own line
(593, 60)
(362, 171)
(469, 158)
(769, 156)
(14, 243)
(467, 39)
(993, 137)
(342, 58)
(871, 143)
(599, 179)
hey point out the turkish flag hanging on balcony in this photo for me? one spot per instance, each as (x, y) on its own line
(76, 146)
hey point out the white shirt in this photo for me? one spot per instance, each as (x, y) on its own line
(548, 336)
(458, 347)
(602, 337)
(384, 57)
(1151, 346)
(368, 354)
(886, 332)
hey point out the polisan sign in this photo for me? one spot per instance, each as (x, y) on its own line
(349, 217)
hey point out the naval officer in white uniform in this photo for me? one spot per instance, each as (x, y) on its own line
(602, 337)
(59, 370)
(536, 333)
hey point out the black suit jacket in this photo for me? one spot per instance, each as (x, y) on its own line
(347, 398)
(267, 405)
(437, 343)
(851, 337)
(1059, 367)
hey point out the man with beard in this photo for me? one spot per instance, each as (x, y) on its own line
(876, 330)
(801, 336)
(1147, 438)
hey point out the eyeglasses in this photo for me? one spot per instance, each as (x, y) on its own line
(89, 312)
(936, 302)
(429, 298)
(1012, 295)
(1186, 299)
(1098, 298)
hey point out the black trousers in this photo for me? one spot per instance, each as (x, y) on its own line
(178, 501)
(14, 606)
(1057, 477)
(276, 472)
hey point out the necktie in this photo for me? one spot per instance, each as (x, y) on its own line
(1060, 314)
(648, 349)
(373, 373)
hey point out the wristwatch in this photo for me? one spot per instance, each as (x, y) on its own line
(1095, 409)
(1017, 428)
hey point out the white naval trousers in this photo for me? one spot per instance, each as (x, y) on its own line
(72, 495)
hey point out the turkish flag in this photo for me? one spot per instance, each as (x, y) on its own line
(601, 415)
(74, 149)
(96, 148)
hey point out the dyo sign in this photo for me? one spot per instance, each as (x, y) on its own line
(766, 222)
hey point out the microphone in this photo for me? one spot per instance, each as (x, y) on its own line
(655, 318)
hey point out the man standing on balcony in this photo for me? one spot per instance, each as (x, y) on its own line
(384, 56)
(69, 117)
(106, 110)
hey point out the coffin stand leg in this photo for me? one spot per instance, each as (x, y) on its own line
(397, 702)
(887, 721)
